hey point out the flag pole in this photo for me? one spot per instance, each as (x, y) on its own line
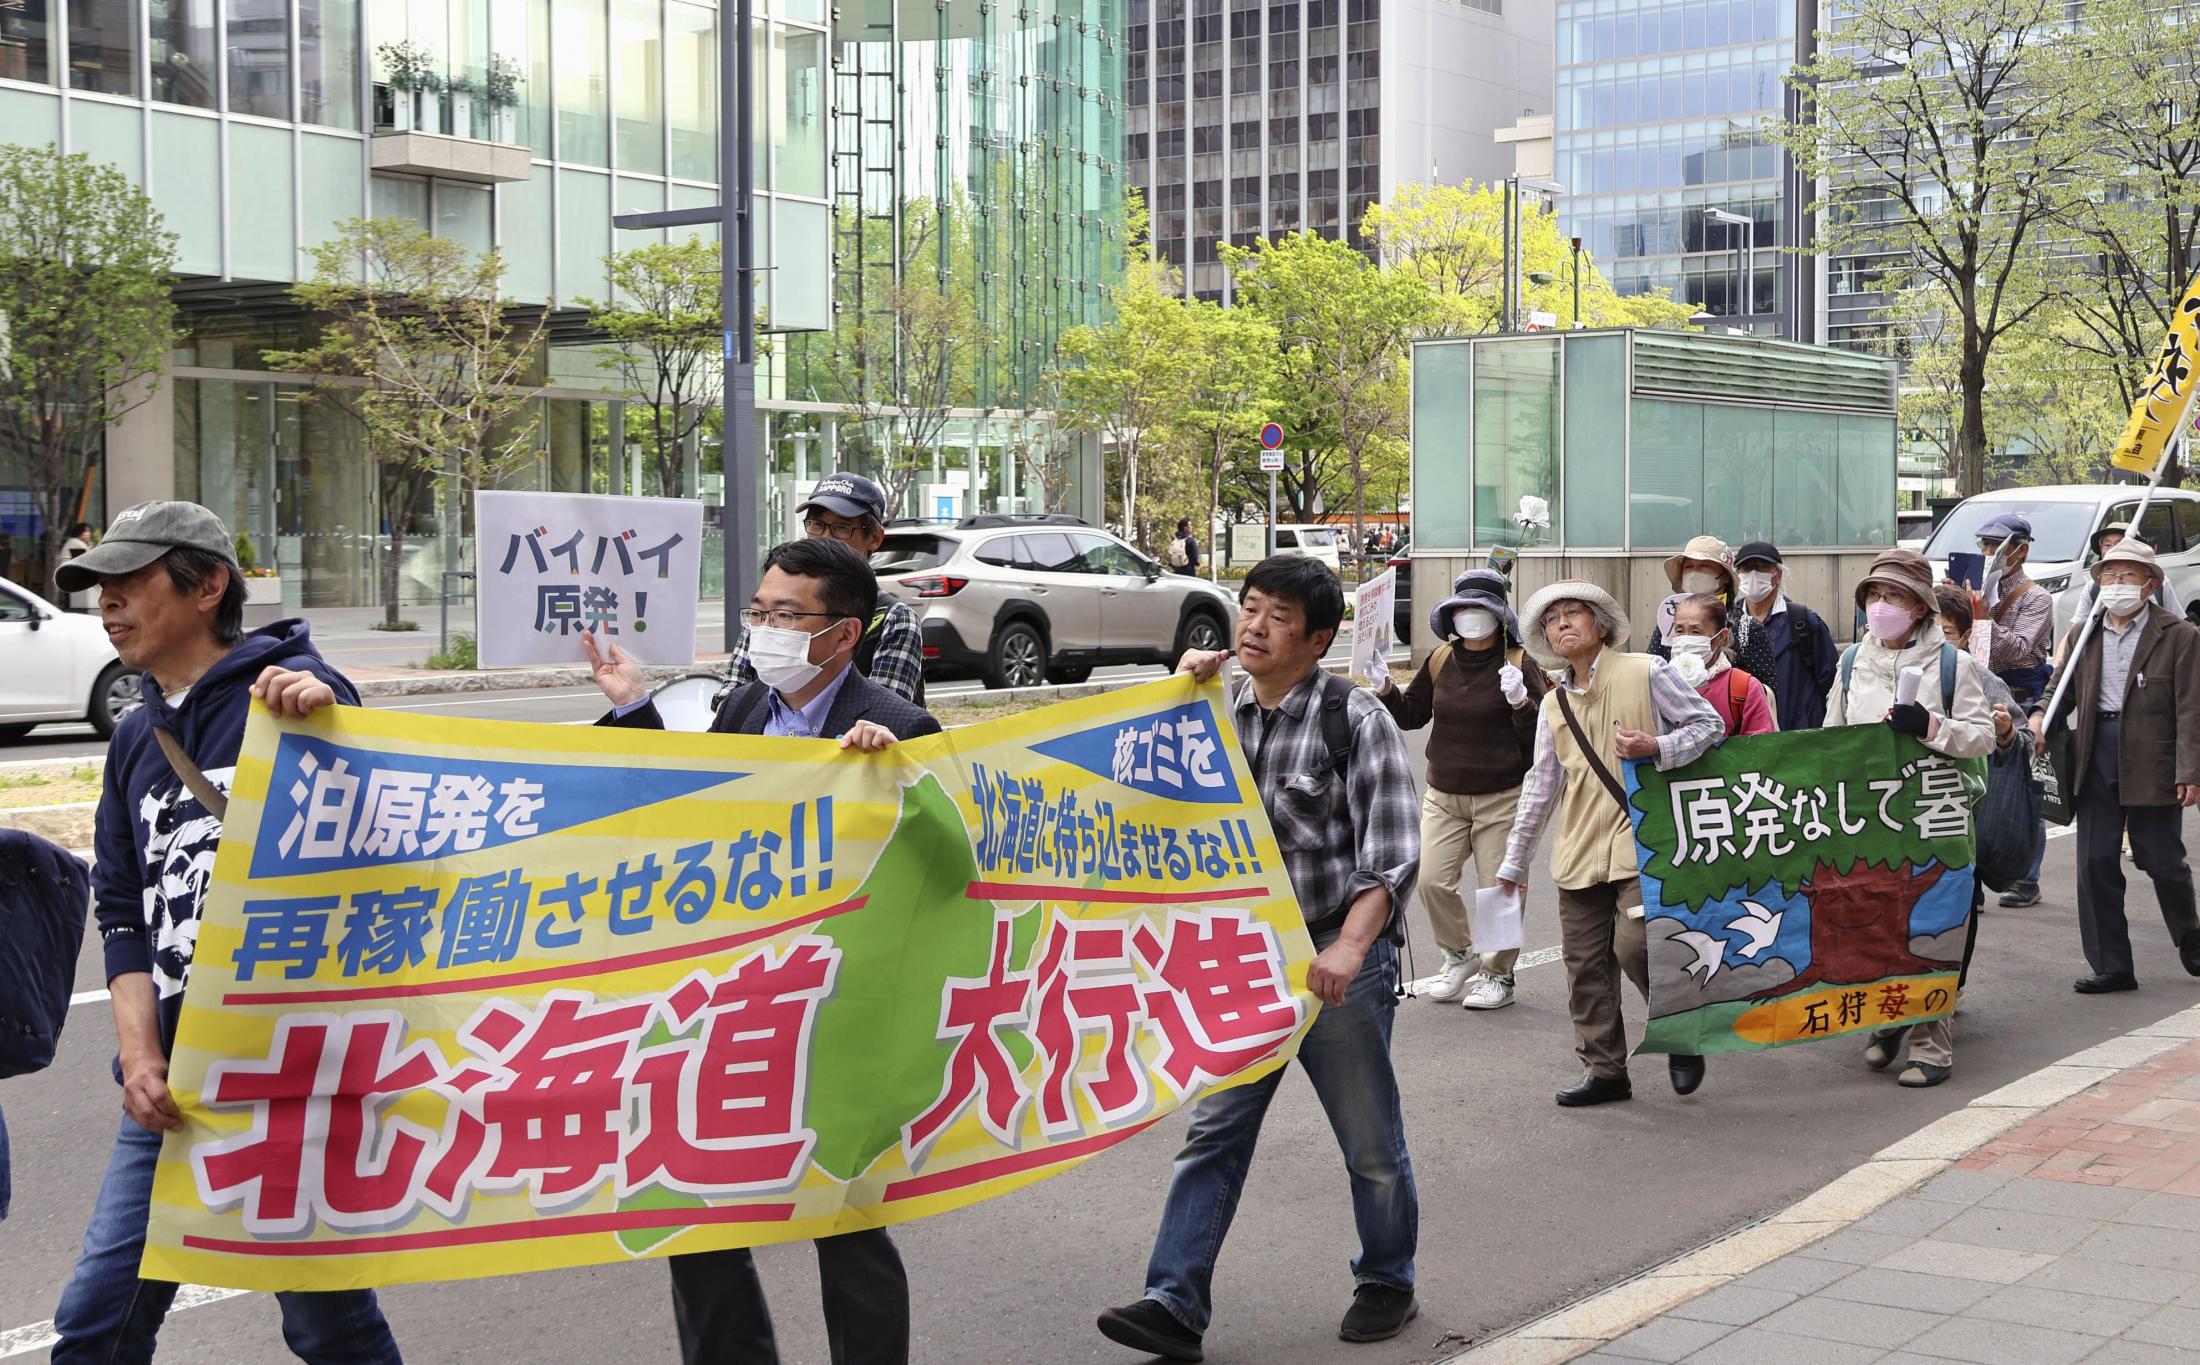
(2172, 448)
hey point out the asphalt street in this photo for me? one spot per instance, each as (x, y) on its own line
(1524, 1206)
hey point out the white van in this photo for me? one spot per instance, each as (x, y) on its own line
(1315, 542)
(2064, 518)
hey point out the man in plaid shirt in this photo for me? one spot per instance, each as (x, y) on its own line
(852, 510)
(1349, 826)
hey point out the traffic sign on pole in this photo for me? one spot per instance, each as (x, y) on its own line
(1271, 437)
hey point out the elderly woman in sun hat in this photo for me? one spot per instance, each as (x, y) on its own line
(1951, 716)
(1474, 690)
(1705, 565)
(1607, 706)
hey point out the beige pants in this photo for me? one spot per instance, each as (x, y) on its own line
(1454, 828)
(1600, 943)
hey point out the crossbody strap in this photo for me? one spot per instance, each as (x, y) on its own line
(1596, 765)
(194, 781)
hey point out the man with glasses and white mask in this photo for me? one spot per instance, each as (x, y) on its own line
(852, 510)
(804, 622)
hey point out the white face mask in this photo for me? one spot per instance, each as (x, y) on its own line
(1695, 646)
(1756, 587)
(781, 657)
(2122, 599)
(1473, 623)
(1696, 580)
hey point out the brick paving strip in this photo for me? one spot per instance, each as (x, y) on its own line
(2052, 1221)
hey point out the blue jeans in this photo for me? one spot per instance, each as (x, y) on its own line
(1347, 1057)
(109, 1316)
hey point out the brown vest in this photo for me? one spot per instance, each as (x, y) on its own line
(1595, 842)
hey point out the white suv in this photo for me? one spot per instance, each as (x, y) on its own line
(57, 666)
(2064, 520)
(1029, 599)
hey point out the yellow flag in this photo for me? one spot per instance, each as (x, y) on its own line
(2163, 399)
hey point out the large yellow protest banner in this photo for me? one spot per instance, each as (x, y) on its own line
(476, 997)
(2166, 395)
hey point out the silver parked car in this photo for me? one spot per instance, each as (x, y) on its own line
(1029, 599)
(2065, 518)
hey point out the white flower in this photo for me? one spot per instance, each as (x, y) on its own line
(1692, 669)
(1534, 511)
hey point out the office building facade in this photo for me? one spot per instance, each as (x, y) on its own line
(1660, 138)
(1250, 119)
(258, 126)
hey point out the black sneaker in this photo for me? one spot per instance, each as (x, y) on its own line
(1596, 1090)
(1378, 1313)
(2021, 895)
(1149, 1327)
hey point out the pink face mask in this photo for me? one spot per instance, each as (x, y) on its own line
(1887, 621)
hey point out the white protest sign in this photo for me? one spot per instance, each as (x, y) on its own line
(550, 566)
(1372, 608)
(1494, 920)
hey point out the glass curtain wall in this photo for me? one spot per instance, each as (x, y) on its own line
(25, 42)
(182, 51)
(1660, 117)
(978, 160)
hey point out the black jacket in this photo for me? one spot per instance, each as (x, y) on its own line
(744, 711)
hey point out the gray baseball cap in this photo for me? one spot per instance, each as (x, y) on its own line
(142, 534)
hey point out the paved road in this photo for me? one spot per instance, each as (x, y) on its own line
(1524, 1205)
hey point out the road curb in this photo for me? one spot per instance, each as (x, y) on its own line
(1608, 1314)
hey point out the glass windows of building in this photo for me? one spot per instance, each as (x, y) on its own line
(182, 51)
(258, 51)
(1660, 114)
(103, 46)
(582, 80)
(26, 42)
(328, 62)
(638, 34)
(798, 111)
(691, 89)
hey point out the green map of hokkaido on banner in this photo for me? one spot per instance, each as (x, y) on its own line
(1802, 886)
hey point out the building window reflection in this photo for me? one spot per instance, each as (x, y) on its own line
(691, 87)
(637, 30)
(103, 46)
(582, 81)
(258, 39)
(328, 62)
(183, 51)
(24, 41)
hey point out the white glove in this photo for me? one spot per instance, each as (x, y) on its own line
(1512, 684)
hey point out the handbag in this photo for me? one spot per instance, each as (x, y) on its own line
(2006, 820)
(2055, 774)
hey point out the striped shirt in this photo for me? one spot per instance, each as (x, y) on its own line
(1687, 726)
(2119, 646)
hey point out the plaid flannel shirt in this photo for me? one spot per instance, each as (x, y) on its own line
(898, 666)
(1687, 726)
(1336, 843)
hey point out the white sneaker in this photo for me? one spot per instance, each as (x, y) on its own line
(1487, 992)
(1458, 973)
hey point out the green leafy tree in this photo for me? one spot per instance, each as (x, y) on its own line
(85, 321)
(1452, 239)
(667, 336)
(2133, 211)
(1124, 380)
(1947, 137)
(1227, 400)
(1343, 327)
(417, 346)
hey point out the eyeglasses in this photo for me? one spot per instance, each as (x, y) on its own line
(780, 617)
(2134, 577)
(839, 530)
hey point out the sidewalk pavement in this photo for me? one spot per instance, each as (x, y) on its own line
(2053, 1221)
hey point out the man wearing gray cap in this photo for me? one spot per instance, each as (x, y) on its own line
(172, 599)
(2018, 626)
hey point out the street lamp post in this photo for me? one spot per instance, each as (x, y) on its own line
(1744, 249)
(1514, 253)
(1577, 284)
(734, 217)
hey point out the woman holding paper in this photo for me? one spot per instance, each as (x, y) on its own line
(1482, 701)
(1905, 674)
